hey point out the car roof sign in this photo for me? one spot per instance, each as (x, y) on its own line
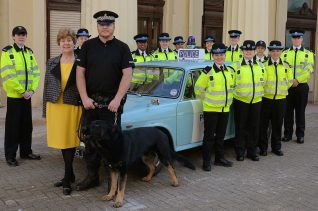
(191, 55)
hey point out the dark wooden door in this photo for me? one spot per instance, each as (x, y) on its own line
(150, 15)
(212, 21)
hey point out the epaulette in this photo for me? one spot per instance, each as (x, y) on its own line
(5, 49)
(29, 49)
(207, 69)
(286, 63)
(233, 70)
(133, 52)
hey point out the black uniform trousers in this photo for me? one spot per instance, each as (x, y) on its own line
(91, 155)
(247, 119)
(215, 124)
(18, 127)
(272, 111)
(297, 99)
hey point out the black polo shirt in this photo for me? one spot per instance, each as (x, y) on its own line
(104, 63)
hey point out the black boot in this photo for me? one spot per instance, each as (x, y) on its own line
(60, 183)
(67, 188)
(91, 180)
(206, 165)
(251, 154)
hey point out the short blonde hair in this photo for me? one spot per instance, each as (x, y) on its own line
(65, 32)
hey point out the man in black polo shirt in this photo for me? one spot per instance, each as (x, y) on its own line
(103, 76)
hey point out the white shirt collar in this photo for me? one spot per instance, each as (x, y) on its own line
(260, 58)
(163, 50)
(140, 52)
(246, 61)
(294, 47)
(219, 66)
(277, 61)
(233, 46)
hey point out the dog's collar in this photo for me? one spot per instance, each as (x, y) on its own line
(117, 165)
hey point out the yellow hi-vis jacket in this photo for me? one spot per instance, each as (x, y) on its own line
(140, 76)
(302, 63)
(279, 79)
(19, 71)
(208, 55)
(158, 55)
(249, 81)
(214, 88)
(233, 56)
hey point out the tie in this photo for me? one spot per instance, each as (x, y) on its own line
(143, 55)
(232, 54)
(250, 62)
(221, 68)
(165, 51)
(296, 50)
(275, 63)
(260, 60)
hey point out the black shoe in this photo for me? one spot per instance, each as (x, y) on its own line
(286, 139)
(263, 153)
(278, 152)
(253, 157)
(206, 166)
(12, 162)
(240, 157)
(60, 183)
(300, 140)
(67, 191)
(31, 157)
(87, 183)
(223, 162)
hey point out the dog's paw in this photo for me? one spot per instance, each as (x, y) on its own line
(146, 179)
(118, 204)
(175, 183)
(107, 197)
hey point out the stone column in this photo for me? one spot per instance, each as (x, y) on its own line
(126, 24)
(184, 18)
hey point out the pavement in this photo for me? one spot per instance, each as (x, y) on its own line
(274, 183)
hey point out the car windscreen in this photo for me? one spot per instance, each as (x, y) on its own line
(156, 81)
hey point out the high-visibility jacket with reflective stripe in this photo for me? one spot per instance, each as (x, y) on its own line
(158, 55)
(301, 63)
(19, 71)
(208, 55)
(141, 76)
(234, 56)
(278, 81)
(215, 89)
(249, 81)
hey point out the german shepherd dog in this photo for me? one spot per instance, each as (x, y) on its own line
(120, 149)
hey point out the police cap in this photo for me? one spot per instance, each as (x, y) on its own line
(234, 33)
(19, 30)
(296, 33)
(248, 45)
(261, 43)
(164, 36)
(191, 40)
(105, 17)
(178, 39)
(218, 48)
(275, 45)
(141, 37)
(82, 32)
(209, 38)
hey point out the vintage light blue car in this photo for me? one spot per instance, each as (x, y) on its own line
(162, 95)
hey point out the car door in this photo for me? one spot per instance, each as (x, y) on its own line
(189, 115)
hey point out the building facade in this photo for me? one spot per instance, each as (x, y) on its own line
(257, 19)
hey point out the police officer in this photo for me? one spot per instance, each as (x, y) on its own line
(164, 52)
(249, 79)
(302, 62)
(103, 77)
(82, 35)
(214, 88)
(279, 78)
(191, 42)
(178, 42)
(260, 52)
(141, 54)
(20, 77)
(233, 52)
(208, 41)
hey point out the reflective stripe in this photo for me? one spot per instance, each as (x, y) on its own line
(272, 91)
(217, 92)
(8, 77)
(23, 81)
(201, 96)
(20, 73)
(274, 82)
(249, 85)
(34, 68)
(249, 94)
(218, 102)
(139, 77)
(6, 68)
(36, 74)
(198, 88)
